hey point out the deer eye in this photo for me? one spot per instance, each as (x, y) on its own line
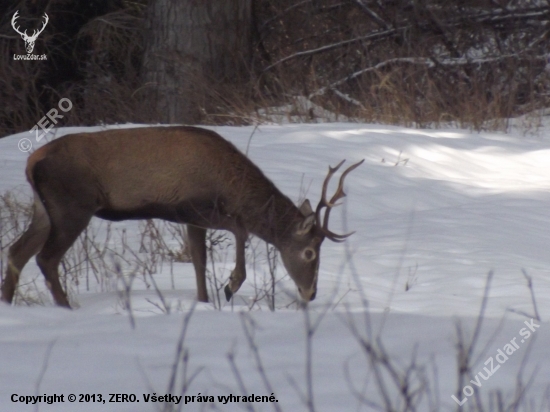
(309, 254)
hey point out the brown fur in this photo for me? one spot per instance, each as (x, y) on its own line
(181, 174)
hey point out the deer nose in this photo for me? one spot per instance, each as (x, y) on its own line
(308, 295)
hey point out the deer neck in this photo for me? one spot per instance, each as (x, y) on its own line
(275, 219)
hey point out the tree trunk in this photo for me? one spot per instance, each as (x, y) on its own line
(191, 46)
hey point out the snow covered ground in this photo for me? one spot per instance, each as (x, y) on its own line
(434, 212)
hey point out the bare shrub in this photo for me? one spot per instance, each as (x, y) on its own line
(416, 63)
(103, 259)
(470, 64)
(15, 216)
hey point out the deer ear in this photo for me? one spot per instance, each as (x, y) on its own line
(305, 208)
(305, 225)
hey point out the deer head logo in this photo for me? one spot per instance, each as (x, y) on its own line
(29, 40)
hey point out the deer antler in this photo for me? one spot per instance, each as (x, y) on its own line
(35, 33)
(339, 194)
(13, 19)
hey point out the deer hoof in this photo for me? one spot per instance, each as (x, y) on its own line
(228, 293)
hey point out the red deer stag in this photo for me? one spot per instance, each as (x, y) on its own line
(180, 174)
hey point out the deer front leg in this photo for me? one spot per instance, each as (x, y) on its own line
(238, 275)
(197, 238)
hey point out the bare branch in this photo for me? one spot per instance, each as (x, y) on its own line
(329, 47)
(375, 17)
(530, 286)
(429, 62)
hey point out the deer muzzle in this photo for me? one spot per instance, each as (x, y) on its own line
(308, 294)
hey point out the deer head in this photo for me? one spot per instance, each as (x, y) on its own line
(301, 256)
(29, 40)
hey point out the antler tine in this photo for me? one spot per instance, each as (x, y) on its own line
(323, 202)
(339, 194)
(46, 20)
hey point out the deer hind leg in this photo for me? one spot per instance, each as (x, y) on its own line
(238, 275)
(197, 244)
(28, 245)
(67, 222)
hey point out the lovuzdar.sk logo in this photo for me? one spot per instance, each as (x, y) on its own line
(29, 40)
